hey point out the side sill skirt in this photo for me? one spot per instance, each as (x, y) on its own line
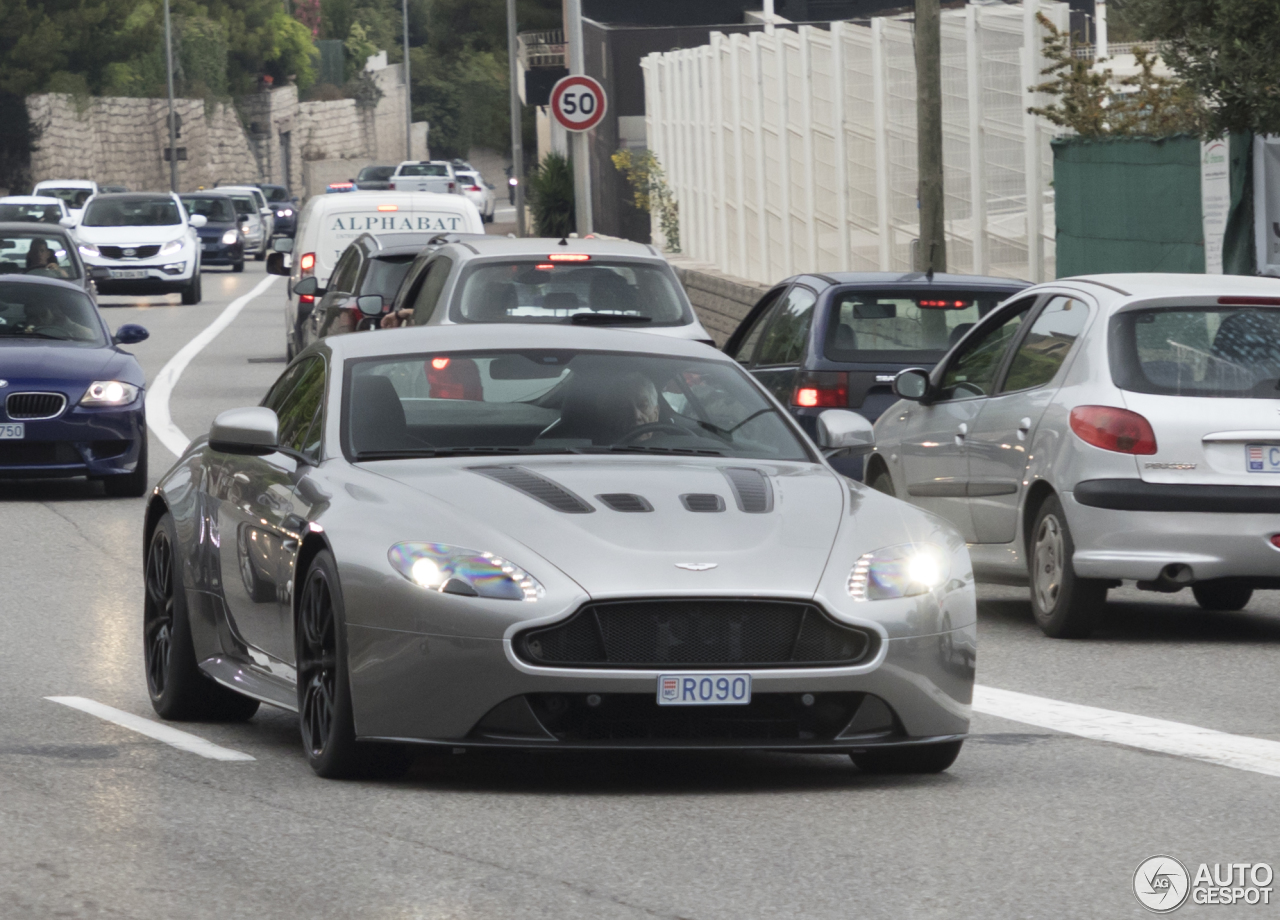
(244, 680)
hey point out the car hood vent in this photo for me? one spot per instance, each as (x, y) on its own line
(625, 501)
(751, 488)
(702, 501)
(550, 493)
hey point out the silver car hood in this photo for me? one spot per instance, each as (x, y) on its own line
(610, 553)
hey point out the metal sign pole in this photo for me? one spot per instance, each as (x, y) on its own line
(408, 89)
(517, 123)
(173, 121)
(580, 144)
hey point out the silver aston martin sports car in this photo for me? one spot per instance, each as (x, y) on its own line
(555, 538)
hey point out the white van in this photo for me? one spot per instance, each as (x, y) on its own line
(330, 223)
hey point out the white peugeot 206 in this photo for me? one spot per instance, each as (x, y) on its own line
(1100, 429)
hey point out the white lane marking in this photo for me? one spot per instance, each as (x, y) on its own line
(160, 732)
(158, 419)
(1240, 752)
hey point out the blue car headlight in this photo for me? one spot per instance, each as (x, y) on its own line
(455, 570)
(231, 237)
(898, 571)
(109, 393)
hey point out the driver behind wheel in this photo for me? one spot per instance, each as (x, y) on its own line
(606, 410)
(49, 318)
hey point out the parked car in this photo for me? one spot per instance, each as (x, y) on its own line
(146, 241)
(40, 209)
(424, 176)
(478, 192)
(373, 179)
(221, 238)
(837, 339)
(75, 192)
(285, 206)
(329, 224)
(44, 250)
(485, 542)
(266, 214)
(363, 284)
(533, 281)
(73, 401)
(1099, 429)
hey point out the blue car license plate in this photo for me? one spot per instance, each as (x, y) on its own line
(703, 689)
(1262, 458)
(12, 432)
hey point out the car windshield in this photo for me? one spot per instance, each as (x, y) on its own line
(219, 209)
(425, 169)
(383, 276)
(906, 325)
(48, 311)
(275, 192)
(244, 204)
(376, 174)
(74, 197)
(1198, 351)
(36, 253)
(598, 291)
(132, 212)
(32, 213)
(565, 401)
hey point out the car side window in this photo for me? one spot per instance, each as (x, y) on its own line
(345, 272)
(784, 340)
(300, 410)
(973, 372)
(1046, 344)
(284, 386)
(763, 313)
(431, 288)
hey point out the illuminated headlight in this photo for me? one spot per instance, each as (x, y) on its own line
(230, 238)
(454, 570)
(172, 248)
(88, 249)
(898, 571)
(109, 393)
(287, 212)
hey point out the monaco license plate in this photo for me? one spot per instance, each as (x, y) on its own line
(1262, 458)
(12, 432)
(127, 274)
(714, 689)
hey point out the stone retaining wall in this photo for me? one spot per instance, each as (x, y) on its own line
(721, 301)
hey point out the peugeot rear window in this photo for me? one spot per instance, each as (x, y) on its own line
(1218, 351)
(905, 325)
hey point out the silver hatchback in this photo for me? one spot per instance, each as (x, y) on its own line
(1100, 429)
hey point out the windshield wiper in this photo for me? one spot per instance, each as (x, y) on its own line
(40, 335)
(647, 449)
(607, 319)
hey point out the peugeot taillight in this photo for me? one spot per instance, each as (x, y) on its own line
(821, 390)
(1115, 429)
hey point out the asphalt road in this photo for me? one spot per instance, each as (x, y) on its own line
(99, 821)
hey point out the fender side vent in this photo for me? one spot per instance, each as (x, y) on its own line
(537, 487)
(702, 501)
(625, 501)
(751, 488)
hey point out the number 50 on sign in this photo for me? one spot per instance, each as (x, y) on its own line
(578, 102)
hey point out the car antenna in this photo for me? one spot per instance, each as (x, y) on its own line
(564, 241)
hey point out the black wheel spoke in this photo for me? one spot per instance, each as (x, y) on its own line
(157, 624)
(317, 659)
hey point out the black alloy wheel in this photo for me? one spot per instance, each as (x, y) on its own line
(175, 683)
(325, 713)
(918, 758)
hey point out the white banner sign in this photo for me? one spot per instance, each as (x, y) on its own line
(1215, 200)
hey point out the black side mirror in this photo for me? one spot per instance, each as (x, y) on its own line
(370, 304)
(308, 286)
(275, 264)
(130, 334)
(912, 383)
(99, 273)
(242, 219)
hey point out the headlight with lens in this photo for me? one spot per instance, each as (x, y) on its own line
(230, 237)
(898, 571)
(109, 393)
(88, 249)
(287, 212)
(172, 247)
(455, 570)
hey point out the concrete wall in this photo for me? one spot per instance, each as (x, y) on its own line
(721, 301)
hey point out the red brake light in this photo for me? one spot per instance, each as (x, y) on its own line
(569, 257)
(391, 186)
(439, 363)
(306, 298)
(1113, 429)
(308, 262)
(1275, 540)
(474, 188)
(1249, 301)
(454, 379)
(822, 390)
(943, 304)
(545, 267)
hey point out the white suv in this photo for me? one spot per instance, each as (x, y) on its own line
(146, 240)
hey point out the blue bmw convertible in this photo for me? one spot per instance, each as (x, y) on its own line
(71, 401)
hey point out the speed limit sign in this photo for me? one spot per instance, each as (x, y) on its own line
(578, 102)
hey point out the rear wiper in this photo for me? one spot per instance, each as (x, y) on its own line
(607, 319)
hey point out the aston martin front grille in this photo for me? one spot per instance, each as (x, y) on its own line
(719, 633)
(34, 405)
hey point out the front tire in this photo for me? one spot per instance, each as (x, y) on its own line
(325, 712)
(194, 291)
(130, 485)
(920, 758)
(1065, 605)
(1222, 595)
(238, 266)
(178, 688)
